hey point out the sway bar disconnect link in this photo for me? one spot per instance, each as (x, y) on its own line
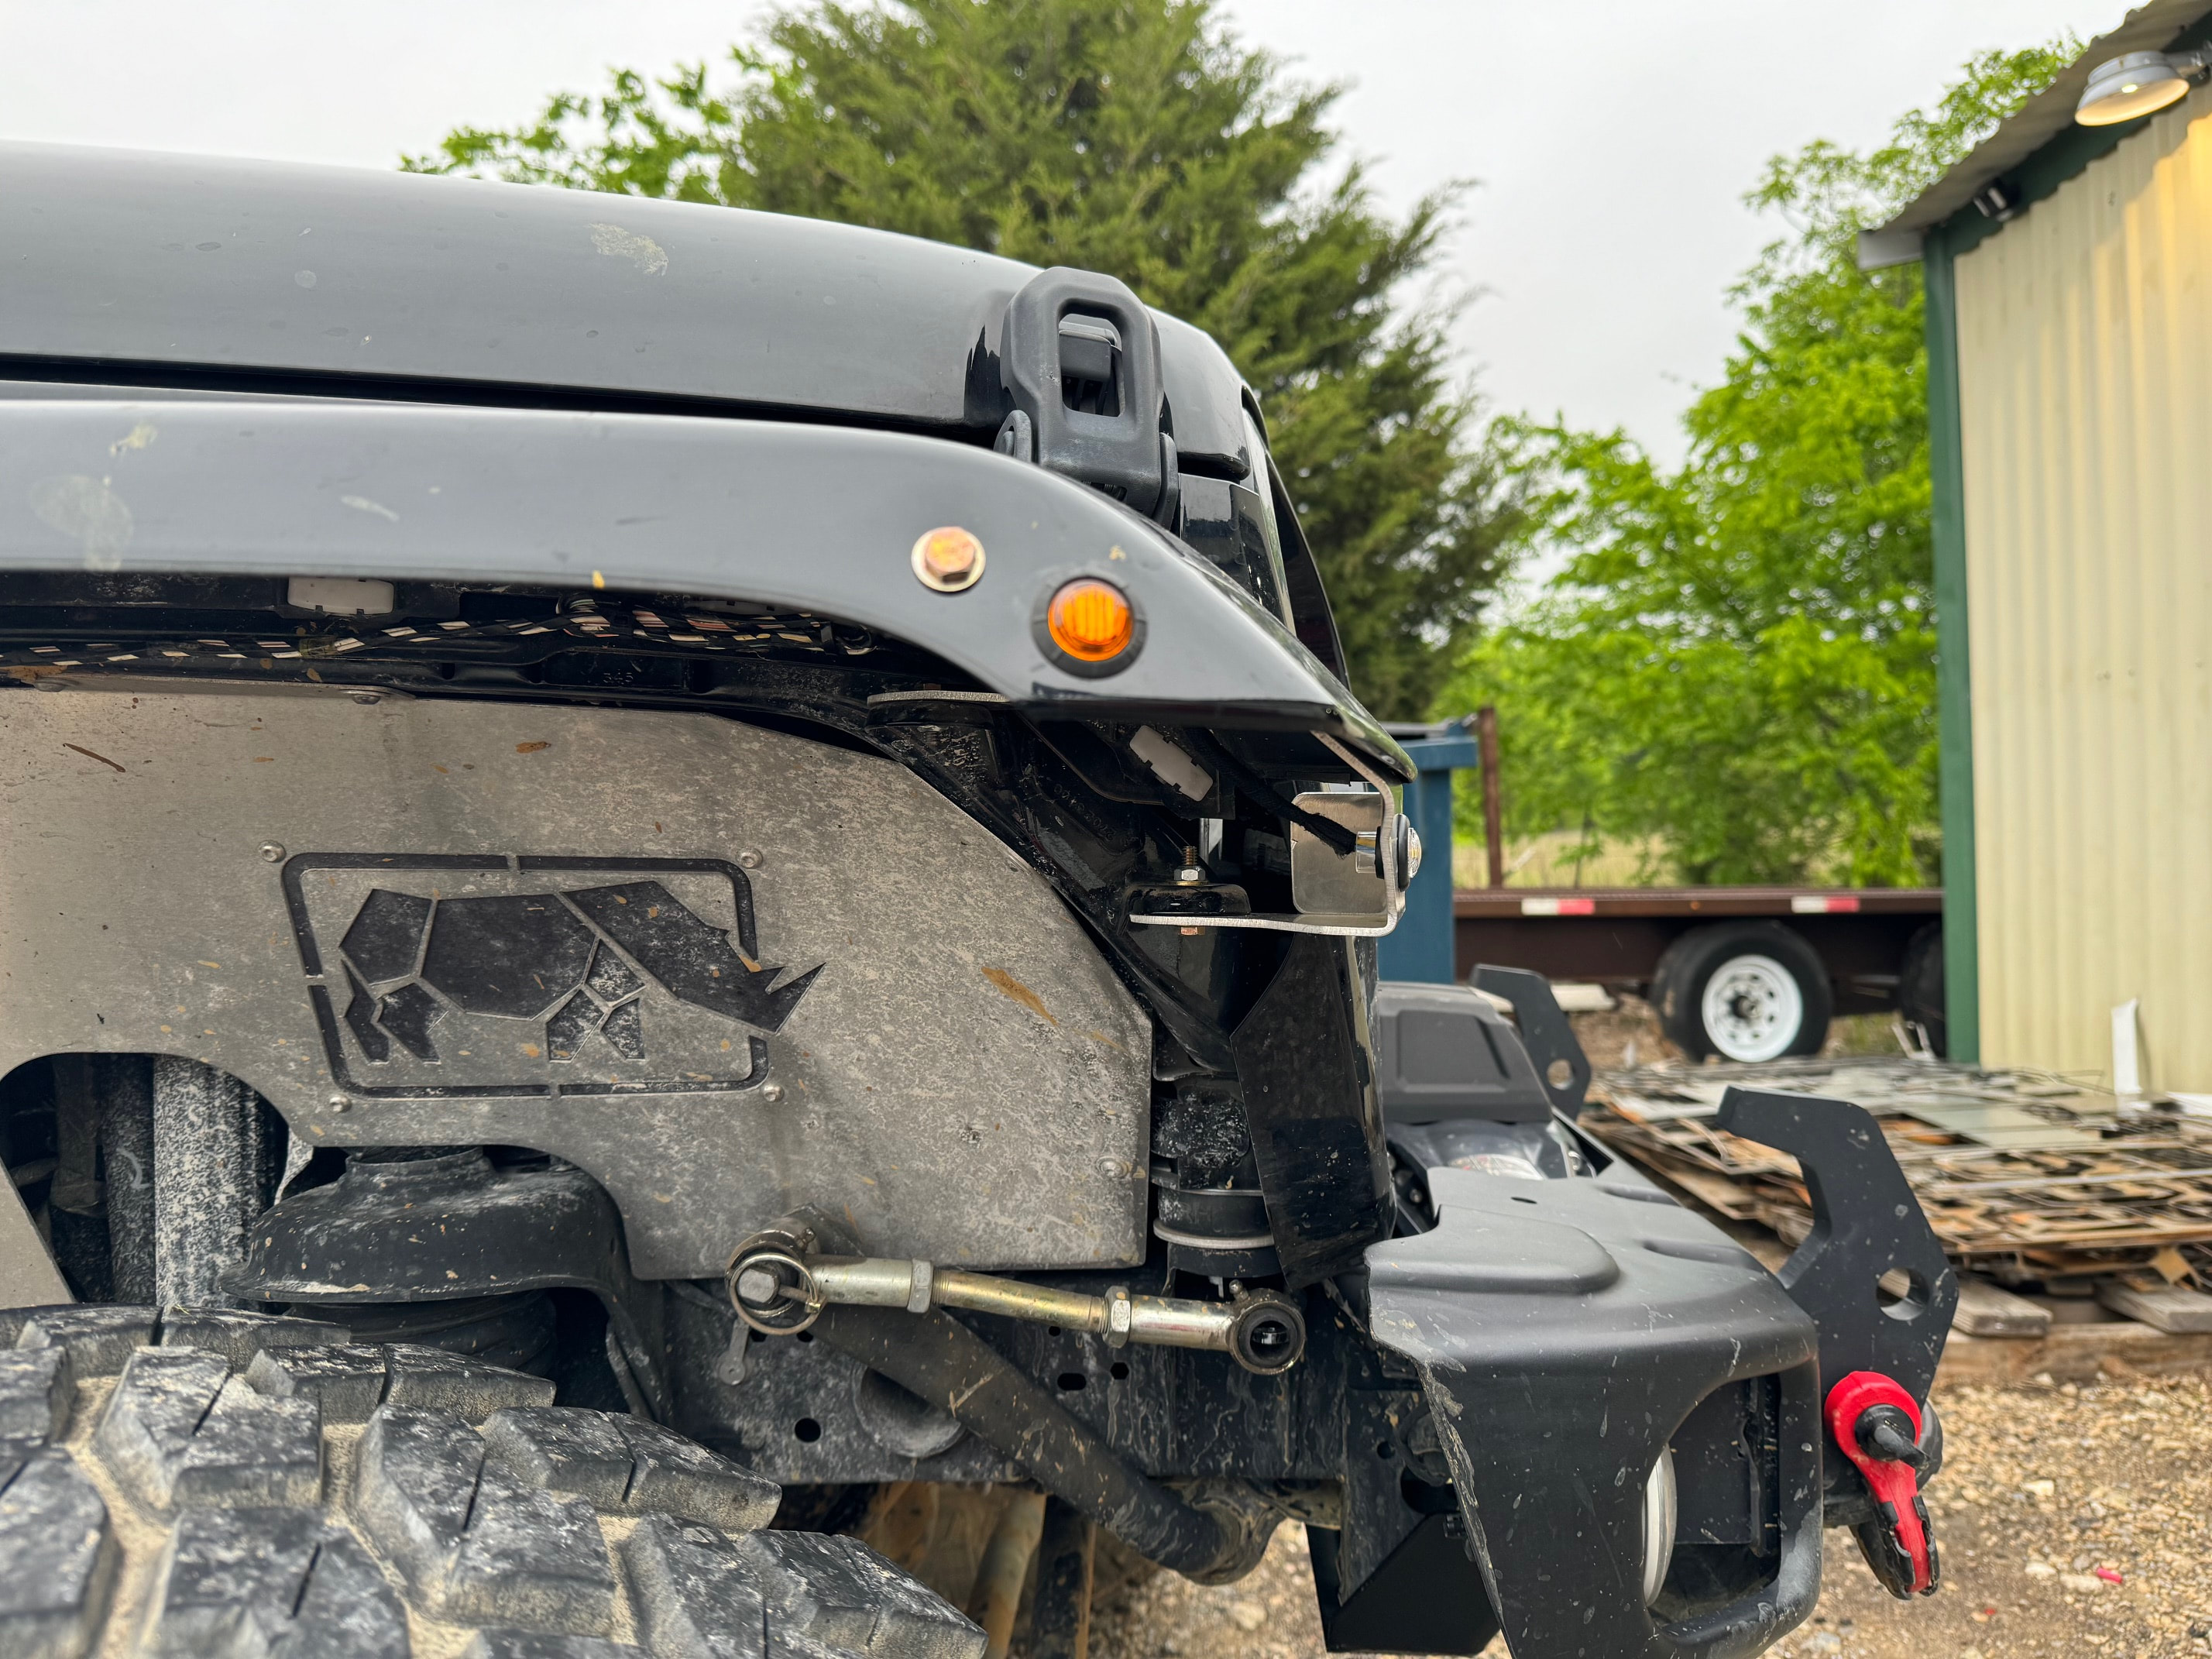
(779, 1286)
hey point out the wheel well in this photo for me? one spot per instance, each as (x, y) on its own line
(142, 1175)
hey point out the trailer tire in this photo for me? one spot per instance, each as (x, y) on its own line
(242, 1483)
(1744, 991)
(1920, 986)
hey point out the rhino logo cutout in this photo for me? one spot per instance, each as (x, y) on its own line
(575, 961)
(570, 960)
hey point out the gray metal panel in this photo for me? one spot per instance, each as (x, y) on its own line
(2085, 419)
(965, 1079)
(125, 257)
(816, 518)
(2149, 27)
(28, 1277)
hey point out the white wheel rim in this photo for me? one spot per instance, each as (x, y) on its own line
(1753, 1009)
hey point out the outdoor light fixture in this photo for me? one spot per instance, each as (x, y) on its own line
(2136, 84)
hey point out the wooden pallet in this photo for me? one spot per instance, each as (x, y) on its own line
(2026, 1173)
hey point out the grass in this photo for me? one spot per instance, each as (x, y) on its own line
(1548, 860)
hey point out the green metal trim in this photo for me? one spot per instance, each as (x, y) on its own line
(2060, 159)
(2038, 177)
(1953, 686)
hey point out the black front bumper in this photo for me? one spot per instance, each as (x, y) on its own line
(1565, 1332)
(1568, 1333)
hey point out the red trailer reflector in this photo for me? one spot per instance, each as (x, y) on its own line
(1558, 907)
(1823, 904)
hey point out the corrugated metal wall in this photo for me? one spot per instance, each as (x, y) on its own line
(2085, 368)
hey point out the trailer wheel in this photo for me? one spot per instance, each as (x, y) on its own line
(1920, 986)
(213, 1482)
(1745, 991)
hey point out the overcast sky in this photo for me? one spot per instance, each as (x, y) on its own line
(1612, 141)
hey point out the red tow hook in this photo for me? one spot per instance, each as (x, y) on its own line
(1877, 1426)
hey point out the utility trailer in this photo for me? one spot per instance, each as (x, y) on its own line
(1743, 972)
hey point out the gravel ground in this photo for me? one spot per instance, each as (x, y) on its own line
(1268, 1615)
(2049, 1496)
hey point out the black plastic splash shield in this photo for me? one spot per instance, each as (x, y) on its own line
(1563, 1331)
(1311, 1110)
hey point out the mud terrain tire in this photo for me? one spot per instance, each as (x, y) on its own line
(215, 1483)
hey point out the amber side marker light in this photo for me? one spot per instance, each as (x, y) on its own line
(1090, 620)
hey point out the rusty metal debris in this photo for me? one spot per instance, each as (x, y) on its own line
(2026, 1175)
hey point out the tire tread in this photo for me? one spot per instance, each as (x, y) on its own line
(291, 1494)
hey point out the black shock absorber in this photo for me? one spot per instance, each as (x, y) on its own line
(1208, 1209)
(1218, 1232)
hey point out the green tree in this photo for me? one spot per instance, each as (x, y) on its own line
(1137, 137)
(1735, 665)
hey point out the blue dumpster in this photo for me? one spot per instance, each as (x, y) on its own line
(1420, 946)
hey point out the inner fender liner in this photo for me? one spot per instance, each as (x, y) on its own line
(1563, 1331)
(725, 970)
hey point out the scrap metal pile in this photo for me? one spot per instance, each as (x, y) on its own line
(2025, 1175)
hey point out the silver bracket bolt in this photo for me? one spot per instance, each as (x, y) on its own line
(1113, 1169)
(771, 1092)
(340, 1104)
(273, 851)
(751, 858)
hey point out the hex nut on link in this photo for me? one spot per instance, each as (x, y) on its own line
(1121, 1316)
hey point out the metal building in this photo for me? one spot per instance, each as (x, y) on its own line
(2069, 273)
